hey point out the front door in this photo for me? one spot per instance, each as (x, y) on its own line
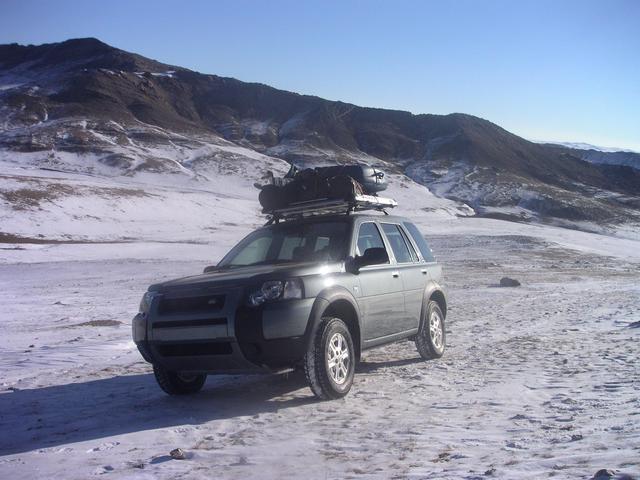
(382, 301)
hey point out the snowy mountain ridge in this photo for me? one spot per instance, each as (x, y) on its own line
(83, 108)
(585, 146)
(600, 155)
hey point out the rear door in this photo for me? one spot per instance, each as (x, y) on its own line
(433, 268)
(413, 274)
(381, 300)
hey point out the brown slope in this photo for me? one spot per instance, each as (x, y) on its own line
(95, 80)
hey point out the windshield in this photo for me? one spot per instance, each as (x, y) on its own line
(284, 243)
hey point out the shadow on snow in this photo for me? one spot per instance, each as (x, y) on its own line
(48, 417)
(76, 412)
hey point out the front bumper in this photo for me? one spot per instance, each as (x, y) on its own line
(233, 338)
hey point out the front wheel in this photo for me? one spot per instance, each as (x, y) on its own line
(176, 383)
(431, 339)
(329, 364)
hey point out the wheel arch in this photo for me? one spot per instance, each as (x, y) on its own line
(337, 302)
(439, 297)
(434, 292)
(345, 311)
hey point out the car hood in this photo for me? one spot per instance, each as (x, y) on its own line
(242, 276)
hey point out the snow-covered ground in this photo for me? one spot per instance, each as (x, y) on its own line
(538, 381)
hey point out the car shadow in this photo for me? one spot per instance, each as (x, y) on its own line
(370, 367)
(47, 417)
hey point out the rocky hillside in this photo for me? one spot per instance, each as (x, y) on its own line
(84, 106)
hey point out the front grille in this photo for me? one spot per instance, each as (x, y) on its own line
(195, 349)
(206, 322)
(199, 304)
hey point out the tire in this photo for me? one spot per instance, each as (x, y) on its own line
(329, 382)
(175, 383)
(431, 339)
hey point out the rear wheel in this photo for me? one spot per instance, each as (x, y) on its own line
(176, 383)
(431, 339)
(329, 364)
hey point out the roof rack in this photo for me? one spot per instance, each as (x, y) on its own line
(325, 206)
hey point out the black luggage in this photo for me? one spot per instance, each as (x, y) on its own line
(372, 179)
(333, 183)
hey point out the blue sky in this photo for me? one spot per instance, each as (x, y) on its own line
(555, 70)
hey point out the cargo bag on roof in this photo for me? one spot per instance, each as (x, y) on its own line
(333, 183)
(372, 179)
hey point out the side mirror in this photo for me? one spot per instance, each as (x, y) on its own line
(209, 269)
(371, 256)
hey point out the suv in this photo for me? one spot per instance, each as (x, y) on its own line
(311, 293)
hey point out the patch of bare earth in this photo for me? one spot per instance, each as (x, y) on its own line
(31, 198)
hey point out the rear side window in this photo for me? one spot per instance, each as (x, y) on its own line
(368, 237)
(398, 244)
(414, 255)
(422, 244)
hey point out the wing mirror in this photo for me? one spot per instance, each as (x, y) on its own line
(209, 269)
(371, 256)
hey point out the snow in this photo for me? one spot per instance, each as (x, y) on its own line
(168, 74)
(602, 155)
(257, 128)
(10, 86)
(586, 146)
(526, 388)
(292, 124)
(537, 381)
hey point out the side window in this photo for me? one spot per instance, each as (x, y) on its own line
(368, 237)
(421, 242)
(398, 244)
(322, 243)
(414, 255)
(289, 245)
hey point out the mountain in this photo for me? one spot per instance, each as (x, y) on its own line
(587, 146)
(84, 106)
(602, 155)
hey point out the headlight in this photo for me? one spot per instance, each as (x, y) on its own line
(145, 303)
(275, 290)
(292, 288)
(271, 290)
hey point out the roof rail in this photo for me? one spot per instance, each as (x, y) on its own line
(325, 206)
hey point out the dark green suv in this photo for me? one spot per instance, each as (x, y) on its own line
(311, 292)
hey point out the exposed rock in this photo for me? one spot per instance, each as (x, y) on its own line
(606, 474)
(603, 474)
(178, 454)
(509, 282)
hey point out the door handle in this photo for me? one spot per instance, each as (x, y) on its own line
(424, 272)
(395, 274)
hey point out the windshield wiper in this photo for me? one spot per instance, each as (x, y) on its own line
(263, 262)
(227, 267)
(269, 262)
